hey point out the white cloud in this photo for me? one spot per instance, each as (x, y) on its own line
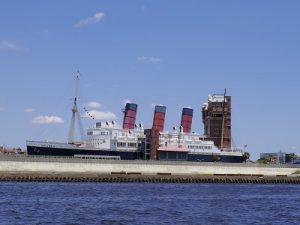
(29, 110)
(149, 59)
(100, 115)
(6, 44)
(93, 105)
(90, 20)
(47, 119)
(155, 104)
(126, 101)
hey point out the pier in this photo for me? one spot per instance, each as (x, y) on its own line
(64, 169)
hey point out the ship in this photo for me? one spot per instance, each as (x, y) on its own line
(130, 141)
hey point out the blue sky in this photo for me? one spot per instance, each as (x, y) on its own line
(151, 52)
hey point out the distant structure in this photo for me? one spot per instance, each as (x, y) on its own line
(7, 150)
(216, 117)
(297, 160)
(278, 157)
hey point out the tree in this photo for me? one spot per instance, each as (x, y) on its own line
(292, 157)
(216, 158)
(269, 159)
(246, 156)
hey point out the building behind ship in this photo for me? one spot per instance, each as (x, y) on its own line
(216, 117)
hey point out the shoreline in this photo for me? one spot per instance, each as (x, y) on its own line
(69, 169)
(138, 178)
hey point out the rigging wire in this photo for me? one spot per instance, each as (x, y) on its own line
(88, 113)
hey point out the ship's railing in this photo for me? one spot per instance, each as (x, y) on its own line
(60, 159)
(97, 157)
(235, 149)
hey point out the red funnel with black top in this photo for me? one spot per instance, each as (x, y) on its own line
(186, 119)
(159, 117)
(129, 116)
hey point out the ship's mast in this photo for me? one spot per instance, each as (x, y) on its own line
(74, 112)
(223, 120)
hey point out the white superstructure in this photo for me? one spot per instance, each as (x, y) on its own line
(111, 136)
(191, 142)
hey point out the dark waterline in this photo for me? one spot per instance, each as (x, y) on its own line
(136, 203)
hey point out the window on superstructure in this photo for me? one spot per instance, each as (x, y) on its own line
(121, 144)
(217, 115)
(131, 145)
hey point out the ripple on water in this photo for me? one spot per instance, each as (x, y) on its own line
(121, 203)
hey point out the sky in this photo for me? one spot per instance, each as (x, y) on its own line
(150, 52)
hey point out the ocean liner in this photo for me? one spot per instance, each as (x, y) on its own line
(109, 140)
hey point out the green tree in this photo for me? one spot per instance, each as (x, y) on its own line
(292, 157)
(216, 158)
(246, 156)
(269, 159)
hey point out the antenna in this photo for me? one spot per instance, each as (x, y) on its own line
(223, 119)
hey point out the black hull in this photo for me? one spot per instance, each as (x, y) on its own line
(215, 158)
(206, 157)
(48, 151)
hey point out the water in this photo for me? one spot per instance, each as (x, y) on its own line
(136, 203)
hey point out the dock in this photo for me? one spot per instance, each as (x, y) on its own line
(70, 169)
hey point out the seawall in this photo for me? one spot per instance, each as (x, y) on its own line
(25, 168)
